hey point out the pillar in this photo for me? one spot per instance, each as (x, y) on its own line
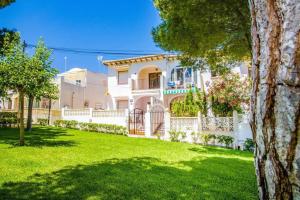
(167, 125)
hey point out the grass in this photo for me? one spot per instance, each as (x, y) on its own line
(70, 164)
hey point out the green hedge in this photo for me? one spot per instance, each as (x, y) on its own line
(8, 119)
(177, 136)
(42, 122)
(93, 127)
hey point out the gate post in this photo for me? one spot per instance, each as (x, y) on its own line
(235, 129)
(63, 113)
(167, 125)
(147, 124)
(90, 115)
(199, 122)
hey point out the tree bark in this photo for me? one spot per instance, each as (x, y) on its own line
(29, 113)
(21, 96)
(275, 101)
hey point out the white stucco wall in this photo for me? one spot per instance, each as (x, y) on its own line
(91, 91)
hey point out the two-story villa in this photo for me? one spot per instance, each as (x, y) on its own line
(135, 82)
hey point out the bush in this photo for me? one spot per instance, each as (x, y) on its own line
(42, 122)
(195, 136)
(8, 119)
(93, 127)
(206, 137)
(224, 139)
(177, 136)
(249, 145)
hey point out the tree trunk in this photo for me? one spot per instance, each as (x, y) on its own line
(29, 113)
(275, 102)
(21, 96)
(49, 111)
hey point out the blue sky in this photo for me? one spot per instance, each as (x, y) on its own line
(85, 24)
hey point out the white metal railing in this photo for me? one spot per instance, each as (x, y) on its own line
(76, 112)
(108, 113)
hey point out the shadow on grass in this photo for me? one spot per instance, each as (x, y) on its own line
(38, 137)
(141, 178)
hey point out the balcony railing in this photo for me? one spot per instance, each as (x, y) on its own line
(145, 84)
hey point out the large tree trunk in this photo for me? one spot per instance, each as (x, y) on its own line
(275, 120)
(21, 96)
(29, 113)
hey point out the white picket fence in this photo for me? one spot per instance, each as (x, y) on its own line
(117, 117)
(236, 126)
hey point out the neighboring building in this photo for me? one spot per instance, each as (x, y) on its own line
(136, 82)
(78, 88)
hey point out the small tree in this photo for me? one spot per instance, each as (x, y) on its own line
(41, 78)
(229, 93)
(15, 70)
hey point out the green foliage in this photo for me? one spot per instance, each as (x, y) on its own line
(93, 127)
(217, 31)
(14, 65)
(229, 93)
(206, 138)
(42, 122)
(224, 139)
(66, 123)
(177, 136)
(4, 3)
(191, 105)
(195, 136)
(8, 119)
(3, 33)
(40, 81)
(249, 145)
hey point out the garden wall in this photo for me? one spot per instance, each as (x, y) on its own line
(116, 117)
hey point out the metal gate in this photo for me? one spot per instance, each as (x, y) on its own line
(136, 122)
(157, 115)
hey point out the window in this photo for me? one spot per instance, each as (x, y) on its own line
(122, 104)
(78, 82)
(122, 77)
(154, 80)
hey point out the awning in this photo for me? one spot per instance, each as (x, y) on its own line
(178, 91)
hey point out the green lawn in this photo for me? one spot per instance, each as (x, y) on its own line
(70, 164)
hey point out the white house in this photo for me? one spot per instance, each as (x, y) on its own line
(80, 88)
(136, 82)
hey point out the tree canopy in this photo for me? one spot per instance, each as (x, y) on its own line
(215, 30)
(4, 3)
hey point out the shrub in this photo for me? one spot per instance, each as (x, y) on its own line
(42, 122)
(228, 93)
(93, 127)
(249, 145)
(8, 119)
(195, 136)
(176, 136)
(224, 139)
(206, 137)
